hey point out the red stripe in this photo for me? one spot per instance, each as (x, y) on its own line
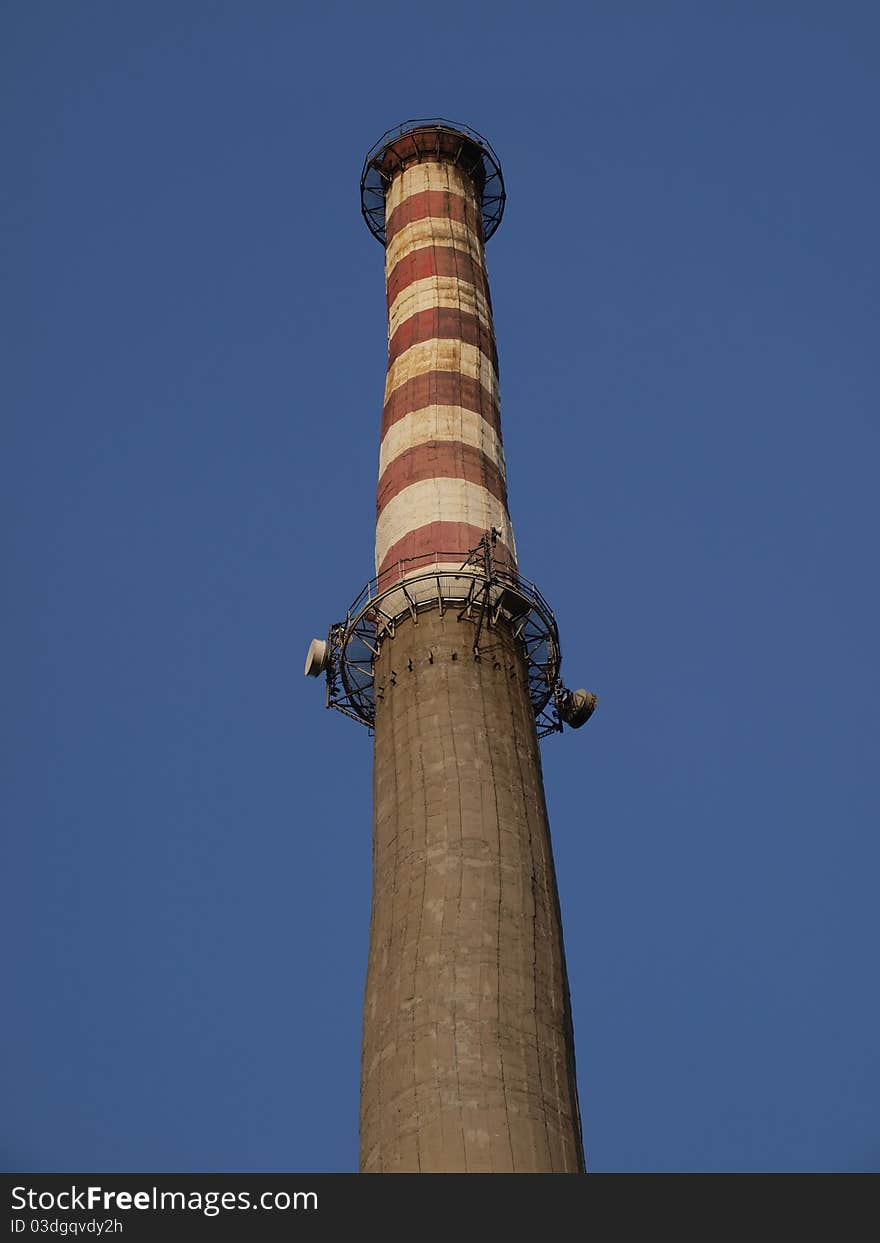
(455, 539)
(439, 459)
(443, 323)
(442, 204)
(441, 388)
(436, 261)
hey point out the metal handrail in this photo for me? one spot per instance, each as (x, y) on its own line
(353, 644)
(429, 560)
(373, 178)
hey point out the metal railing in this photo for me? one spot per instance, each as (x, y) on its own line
(481, 589)
(426, 133)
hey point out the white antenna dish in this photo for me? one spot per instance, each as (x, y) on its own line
(316, 660)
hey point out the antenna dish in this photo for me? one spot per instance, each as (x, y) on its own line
(316, 659)
(576, 707)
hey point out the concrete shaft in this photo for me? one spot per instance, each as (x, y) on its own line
(468, 1059)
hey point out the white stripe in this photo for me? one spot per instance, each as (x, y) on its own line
(431, 231)
(442, 354)
(452, 423)
(440, 500)
(445, 291)
(429, 176)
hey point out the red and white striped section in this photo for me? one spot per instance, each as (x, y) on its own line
(442, 481)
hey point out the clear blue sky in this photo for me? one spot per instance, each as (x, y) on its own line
(686, 294)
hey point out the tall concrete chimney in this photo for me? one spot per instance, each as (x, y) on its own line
(452, 659)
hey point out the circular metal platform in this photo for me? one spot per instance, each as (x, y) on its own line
(427, 138)
(485, 594)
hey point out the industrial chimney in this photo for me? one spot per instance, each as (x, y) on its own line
(452, 659)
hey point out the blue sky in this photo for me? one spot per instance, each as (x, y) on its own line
(686, 296)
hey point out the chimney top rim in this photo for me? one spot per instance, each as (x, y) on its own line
(486, 168)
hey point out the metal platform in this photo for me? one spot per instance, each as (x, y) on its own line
(480, 590)
(425, 139)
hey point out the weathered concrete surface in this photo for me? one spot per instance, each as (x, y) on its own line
(468, 1060)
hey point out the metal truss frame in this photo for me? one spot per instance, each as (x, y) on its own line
(483, 591)
(425, 134)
